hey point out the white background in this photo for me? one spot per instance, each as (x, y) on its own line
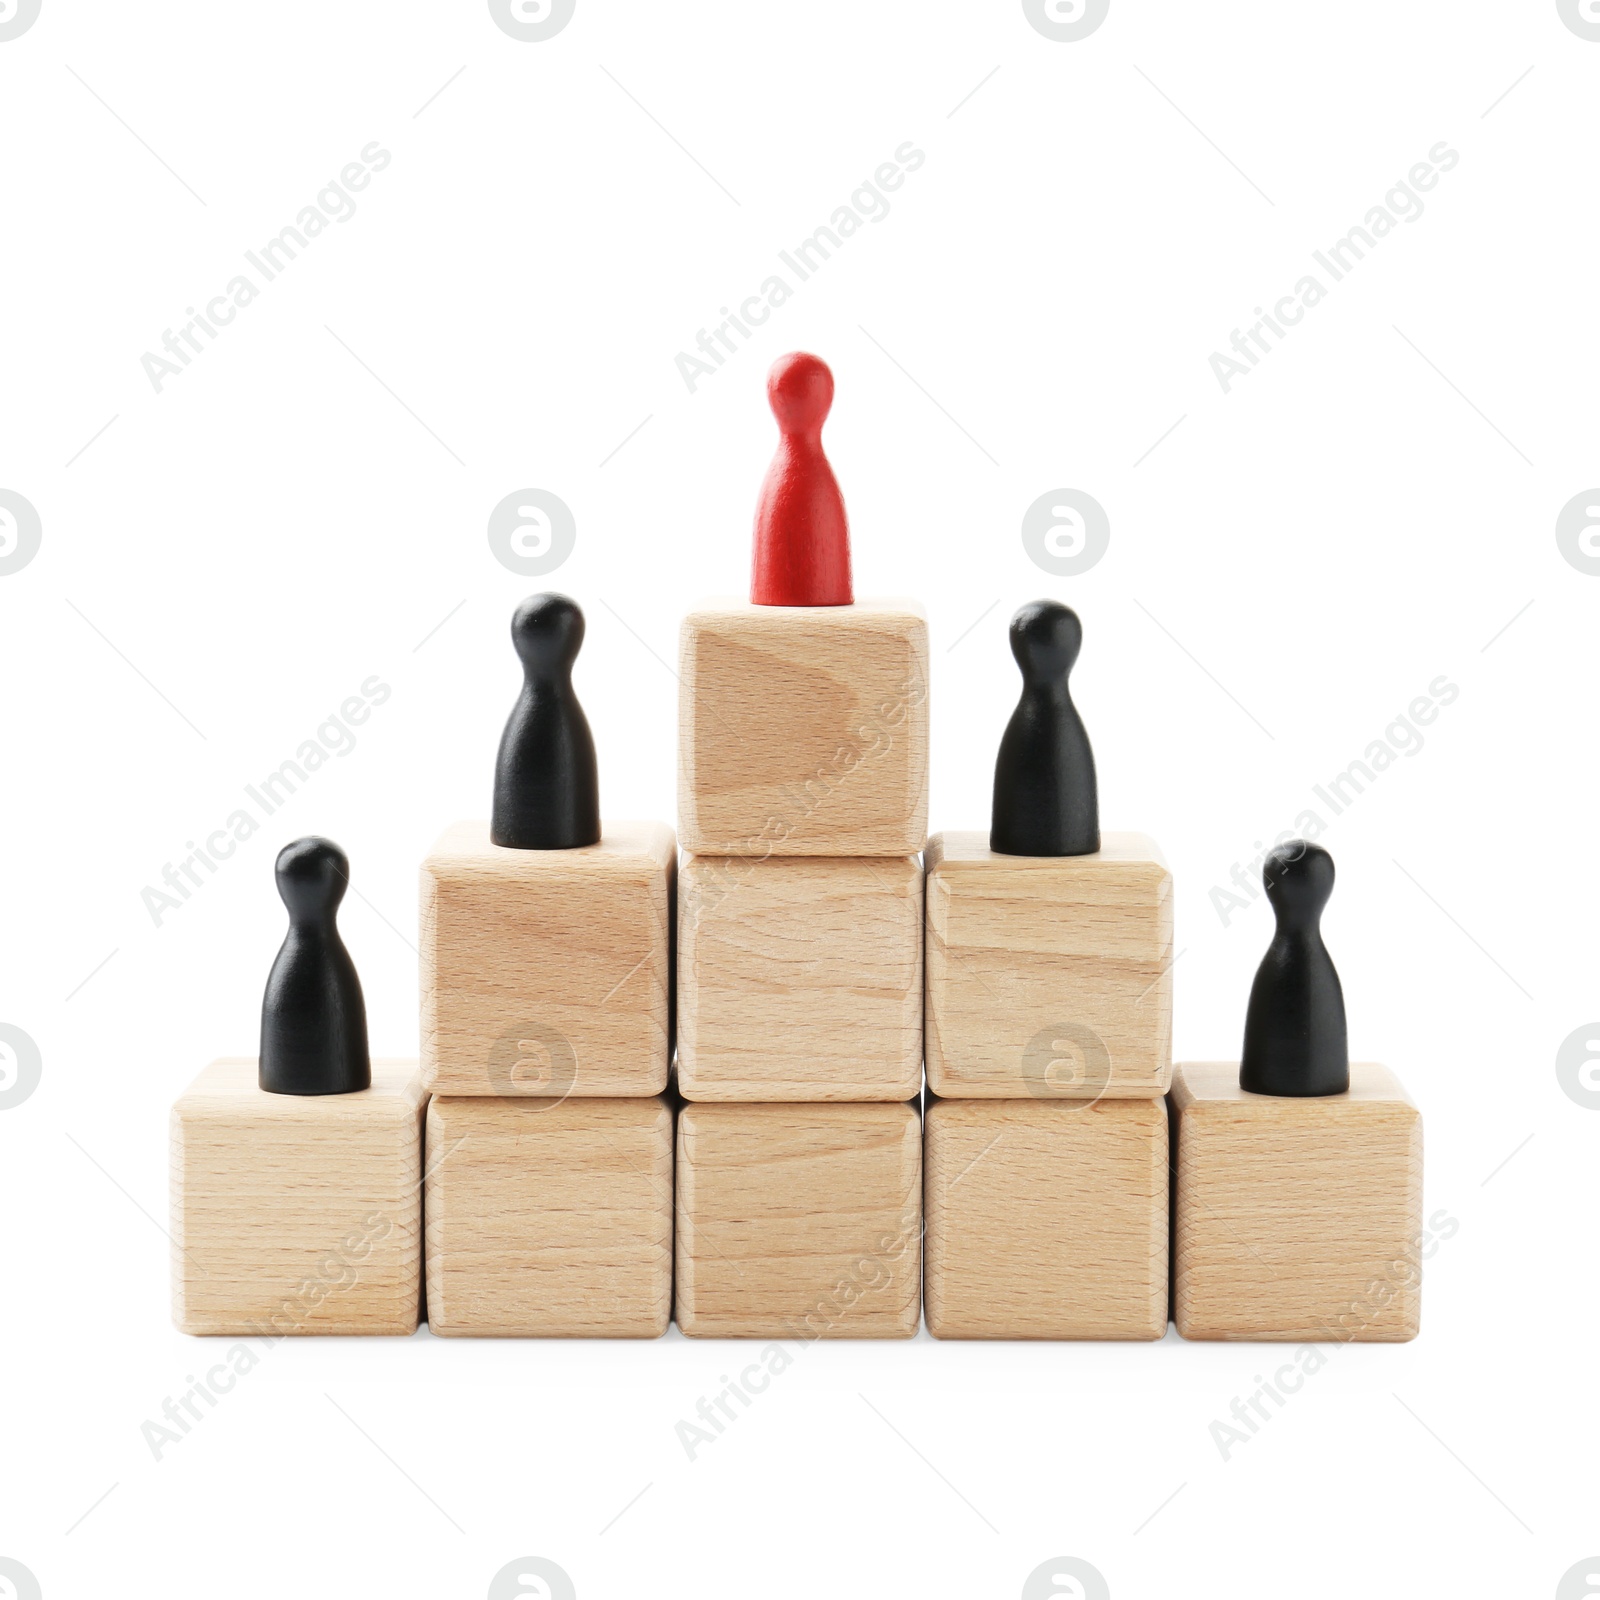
(1289, 567)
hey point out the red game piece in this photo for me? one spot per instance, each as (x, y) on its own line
(802, 542)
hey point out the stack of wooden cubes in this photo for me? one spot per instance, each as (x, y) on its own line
(803, 804)
(546, 1042)
(1049, 1047)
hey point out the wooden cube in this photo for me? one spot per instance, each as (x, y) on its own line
(549, 1218)
(1048, 977)
(1296, 1219)
(799, 1221)
(803, 730)
(548, 972)
(1046, 1219)
(297, 1213)
(800, 978)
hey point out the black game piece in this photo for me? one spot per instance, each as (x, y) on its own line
(546, 787)
(1294, 1033)
(313, 1019)
(1045, 799)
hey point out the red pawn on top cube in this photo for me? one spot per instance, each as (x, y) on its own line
(802, 536)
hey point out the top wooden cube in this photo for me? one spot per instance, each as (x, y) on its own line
(548, 972)
(803, 730)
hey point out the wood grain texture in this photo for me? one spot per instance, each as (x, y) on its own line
(1296, 1219)
(295, 1213)
(549, 1219)
(803, 731)
(799, 1221)
(1046, 1220)
(548, 972)
(1048, 977)
(800, 978)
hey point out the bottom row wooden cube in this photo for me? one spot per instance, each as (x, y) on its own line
(799, 1221)
(549, 1218)
(1047, 1219)
(1296, 1219)
(297, 1213)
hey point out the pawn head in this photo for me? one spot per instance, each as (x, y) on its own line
(547, 630)
(1045, 638)
(800, 392)
(312, 875)
(1298, 878)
